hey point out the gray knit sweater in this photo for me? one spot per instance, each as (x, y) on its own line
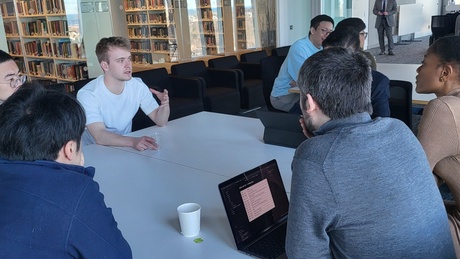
(363, 188)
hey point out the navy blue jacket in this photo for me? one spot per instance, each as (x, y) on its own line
(54, 210)
(380, 94)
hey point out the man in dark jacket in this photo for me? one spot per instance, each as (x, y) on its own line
(50, 206)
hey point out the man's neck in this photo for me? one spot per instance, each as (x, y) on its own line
(318, 47)
(114, 85)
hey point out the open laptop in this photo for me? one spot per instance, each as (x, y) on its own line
(257, 207)
(282, 129)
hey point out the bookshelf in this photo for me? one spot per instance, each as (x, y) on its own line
(245, 31)
(151, 31)
(208, 32)
(45, 40)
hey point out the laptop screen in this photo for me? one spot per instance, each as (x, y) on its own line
(254, 201)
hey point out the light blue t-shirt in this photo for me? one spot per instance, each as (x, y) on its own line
(298, 53)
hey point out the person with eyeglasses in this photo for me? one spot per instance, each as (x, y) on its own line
(359, 26)
(360, 188)
(10, 77)
(349, 38)
(320, 27)
(385, 11)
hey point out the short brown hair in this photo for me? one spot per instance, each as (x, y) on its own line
(104, 45)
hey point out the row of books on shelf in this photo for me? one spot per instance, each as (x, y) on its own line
(65, 71)
(38, 27)
(40, 48)
(241, 36)
(161, 32)
(34, 7)
(143, 18)
(14, 47)
(43, 68)
(136, 18)
(160, 46)
(43, 48)
(66, 49)
(7, 9)
(58, 28)
(143, 45)
(71, 71)
(157, 32)
(240, 11)
(144, 4)
(147, 46)
(142, 58)
(210, 40)
(160, 18)
(241, 24)
(206, 14)
(210, 27)
(11, 28)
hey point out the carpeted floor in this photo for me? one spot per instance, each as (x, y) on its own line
(405, 52)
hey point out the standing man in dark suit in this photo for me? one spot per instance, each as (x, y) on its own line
(385, 10)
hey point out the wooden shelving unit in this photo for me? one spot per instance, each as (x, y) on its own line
(46, 47)
(151, 30)
(210, 29)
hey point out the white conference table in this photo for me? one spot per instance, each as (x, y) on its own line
(198, 152)
(221, 144)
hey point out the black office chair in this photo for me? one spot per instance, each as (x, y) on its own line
(221, 93)
(185, 95)
(281, 51)
(270, 67)
(401, 101)
(250, 81)
(441, 25)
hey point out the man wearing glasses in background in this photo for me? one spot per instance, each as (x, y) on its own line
(320, 27)
(10, 78)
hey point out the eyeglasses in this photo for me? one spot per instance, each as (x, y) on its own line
(17, 80)
(363, 34)
(325, 31)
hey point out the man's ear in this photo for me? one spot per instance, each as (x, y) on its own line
(104, 66)
(311, 104)
(67, 152)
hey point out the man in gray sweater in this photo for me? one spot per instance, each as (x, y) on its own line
(361, 188)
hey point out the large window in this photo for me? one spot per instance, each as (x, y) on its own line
(337, 9)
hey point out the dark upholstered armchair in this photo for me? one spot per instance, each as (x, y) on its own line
(221, 92)
(80, 83)
(270, 68)
(250, 82)
(281, 51)
(253, 57)
(185, 95)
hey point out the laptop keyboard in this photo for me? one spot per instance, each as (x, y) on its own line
(271, 245)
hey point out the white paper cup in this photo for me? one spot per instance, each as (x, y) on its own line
(189, 219)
